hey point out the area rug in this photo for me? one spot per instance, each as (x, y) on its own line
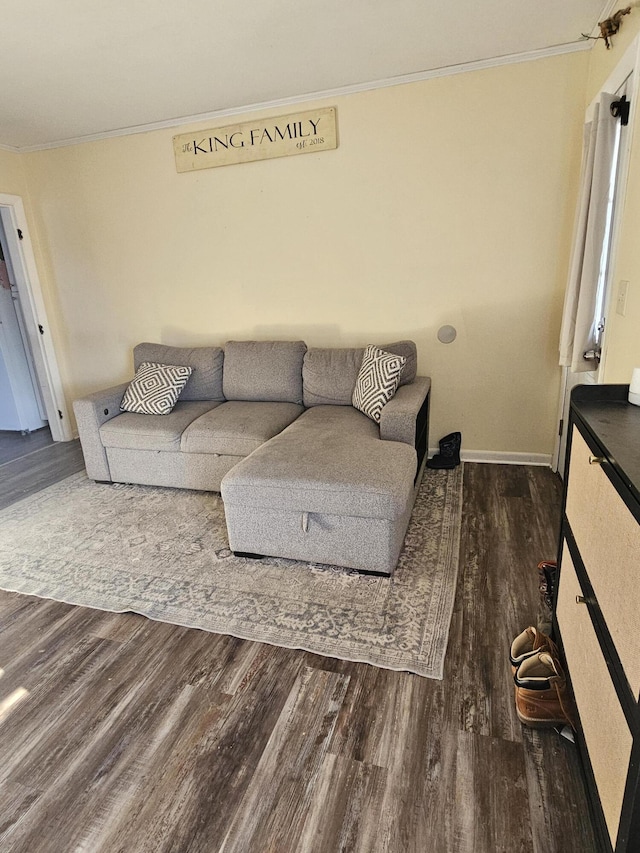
(164, 553)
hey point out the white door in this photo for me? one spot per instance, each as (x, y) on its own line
(21, 406)
(31, 315)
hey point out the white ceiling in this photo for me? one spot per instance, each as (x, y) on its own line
(76, 68)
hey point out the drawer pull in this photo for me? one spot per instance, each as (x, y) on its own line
(596, 460)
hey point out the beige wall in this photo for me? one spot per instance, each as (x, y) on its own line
(447, 201)
(623, 333)
(12, 179)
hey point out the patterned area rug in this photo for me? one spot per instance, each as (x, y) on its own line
(164, 553)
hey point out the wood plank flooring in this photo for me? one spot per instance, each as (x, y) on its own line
(28, 474)
(14, 445)
(131, 735)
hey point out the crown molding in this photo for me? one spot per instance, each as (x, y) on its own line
(416, 77)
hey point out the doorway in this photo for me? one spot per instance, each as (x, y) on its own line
(32, 399)
(21, 404)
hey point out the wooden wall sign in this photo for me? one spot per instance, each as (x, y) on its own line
(300, 133)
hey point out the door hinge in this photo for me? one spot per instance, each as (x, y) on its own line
(60, 415)
(561, 426)
(20, 234)
(40, 329)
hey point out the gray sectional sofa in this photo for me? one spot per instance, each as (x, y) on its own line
(270, 425)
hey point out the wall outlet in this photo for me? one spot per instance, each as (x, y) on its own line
(621, 305)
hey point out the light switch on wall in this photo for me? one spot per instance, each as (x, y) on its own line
(621, 306)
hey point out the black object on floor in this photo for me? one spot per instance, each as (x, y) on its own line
(547, 579)
(449, 455)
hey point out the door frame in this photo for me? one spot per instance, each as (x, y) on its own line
(628, 66)
(35, 316)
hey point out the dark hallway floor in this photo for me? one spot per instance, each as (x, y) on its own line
(14, 445)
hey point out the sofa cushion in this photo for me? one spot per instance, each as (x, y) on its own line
(329, 460)
(205, 382)
(329, 374)
(377, 381)
(320, 422)
(237, 428)
(155, 388)
(152, 432)
(263, 371)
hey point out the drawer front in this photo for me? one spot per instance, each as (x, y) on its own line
(608, 738)
(608, 538)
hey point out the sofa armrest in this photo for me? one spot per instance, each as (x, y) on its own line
(406, 416)
(91, 412)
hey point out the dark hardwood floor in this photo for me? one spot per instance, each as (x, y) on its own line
(14, 445)
(122, 734)
(27, 474)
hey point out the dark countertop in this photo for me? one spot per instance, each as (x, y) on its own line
(615, 423)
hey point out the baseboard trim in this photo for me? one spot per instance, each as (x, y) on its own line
(499, 457)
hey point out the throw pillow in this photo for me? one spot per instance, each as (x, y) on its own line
(377, 381)
(155, 388)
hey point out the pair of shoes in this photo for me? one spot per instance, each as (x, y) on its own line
(547, 580)
(527, 644)
(542, 695)
(449, 455)
(547, 576)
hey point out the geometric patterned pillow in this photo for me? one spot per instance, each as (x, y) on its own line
(377, 381)
(155, 388)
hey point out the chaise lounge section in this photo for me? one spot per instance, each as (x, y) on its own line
(325, 489)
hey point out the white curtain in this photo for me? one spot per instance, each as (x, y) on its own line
(578, 333)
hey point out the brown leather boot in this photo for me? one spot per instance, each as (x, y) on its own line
(527, 644)
(542, 696)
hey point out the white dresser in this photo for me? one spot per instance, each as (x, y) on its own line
(597, 611)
